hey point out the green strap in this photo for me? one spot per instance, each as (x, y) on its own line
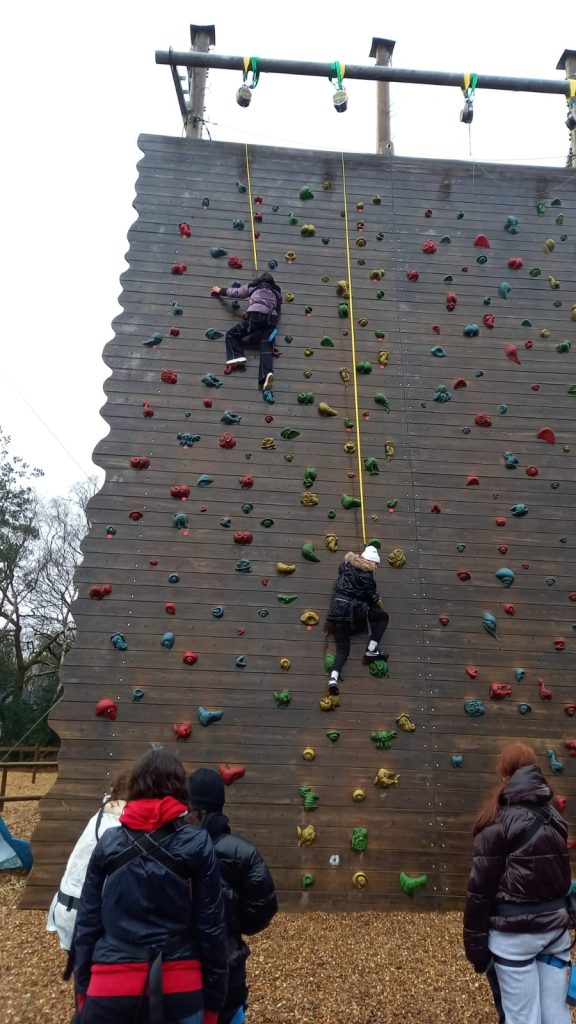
(336, 72)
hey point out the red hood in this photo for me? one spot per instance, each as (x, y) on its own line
(147, 815)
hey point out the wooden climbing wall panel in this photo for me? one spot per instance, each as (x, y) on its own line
(439, 498)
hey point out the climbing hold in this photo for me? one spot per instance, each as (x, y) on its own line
(306, 836)
(243, 537)
(308, 230)
(559, 643)
(326, 410)
(531, 471)
(556, 766)
(499, 691)
(464, 575)
(443, 620)
(156, 339)
(364, 367)
(389, 450)
(474, 708)
(227, 441)
(457, 760)
(512, 354)
(140, 462)
(438, 351)
(309, 754)
(544, 692)
(481, 242)
(243, 565)
(412, 275)
(306, 193)
(310, 475)
(489, 623)
(506, 576)
(309, 553)
(385, 777)
(100, 591)
(482, 420)
(176, 308)
(429, 247)
(378, 668)
(348, 502)
(106, 708)
(410, 885)
(511, 225)
(240, 661)
(204, 480)
(329, 703)
(119, 641)
(211, 381)
(519, 510)
(305, 398)
(311, 799)
(308, 499)
(383, 740)
(563, 346)
(359, 840)
(289, 433)
(471, 331)
(309, 618)
(246, 482)
(397, 558)
(180, 521)
(404, 722)
(283, 569)
(371, 466)
(473, 481)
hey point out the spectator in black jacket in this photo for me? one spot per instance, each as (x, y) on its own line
(516, 911)
(355, 607)
(249, 896)
(151, 914)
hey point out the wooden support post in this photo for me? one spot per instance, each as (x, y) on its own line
(382, 50)
(567, 63)
(202, 38)
(35, 758)
(3, 787)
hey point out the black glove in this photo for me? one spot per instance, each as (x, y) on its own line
(481, 966)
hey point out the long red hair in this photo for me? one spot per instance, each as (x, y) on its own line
(510, 759)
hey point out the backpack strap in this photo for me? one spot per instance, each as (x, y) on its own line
(149, 844)
(542, 816)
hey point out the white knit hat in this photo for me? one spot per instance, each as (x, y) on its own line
(371, 554)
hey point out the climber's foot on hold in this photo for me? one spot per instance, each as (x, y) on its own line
(268, 382)
(268, 396)
(333, 688)
(375, 655)
(238, 361)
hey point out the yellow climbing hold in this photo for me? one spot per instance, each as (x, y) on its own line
(383, 357)
(285, 664)
(308, 498)
(345, 374)
(268, 443)
(288, 457)
(360, 242)
(307, 374)
(306, 836)
(363, 322)
(283, 569)
(359, 795)
(386, 777)
(349, 448)
(553, 282)
(309, 754)
(326, 410)
(332, 542)
(549, 245)
(343, 290)
(374, 517)
(544, 333)
(308, 352)
(404, 722)
(309, 619)
(390, 450)
(397, 558)
(360, 879)
(328, 703)
(289, 297)
(573, 313)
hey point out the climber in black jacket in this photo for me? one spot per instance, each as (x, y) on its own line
(247, 885)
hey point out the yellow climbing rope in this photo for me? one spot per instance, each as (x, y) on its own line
(249, 181)
(353, 336)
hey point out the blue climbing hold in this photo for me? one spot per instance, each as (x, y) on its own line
(489, 623)
(506, 576)
(218, 611)
(556, 766)
(204, 480)
(457, 760)
(471, 331)
(240, 662)
(524, 708)
(208, 717)
(519, 674)
(504, 289)
(519, 510)
(438, 351)
(180, 520)
(243, 565)
(510, 460)
(174, 577)
(503, 409)
(211, 381)
(119, 641)
(226, 521)
(474, 708)
(168, 640)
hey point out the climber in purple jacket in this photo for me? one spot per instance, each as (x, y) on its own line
(258, 324)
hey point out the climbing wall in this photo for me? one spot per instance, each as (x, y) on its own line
(448, 294)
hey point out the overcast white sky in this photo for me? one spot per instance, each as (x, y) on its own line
(79, 85)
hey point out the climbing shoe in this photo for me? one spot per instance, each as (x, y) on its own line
(268, 396)
(239, 361)
(333, 689)
(376, 655)
(269, 381)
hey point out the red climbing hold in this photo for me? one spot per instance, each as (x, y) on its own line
(228, 370)
(135, 516)
(241, 630)
(178, 268)
(559, 643)
(106, 708)
(436, 508)
(246, 482)
(429, 247)
(482, 420)
(570, 710)
(512, 354)
(184, 229)
(498, 691)
(561, 802)
(464, 270)
(545, 693)
(464, 575)
(500, 521)
(139, 462)
(203, 508)
(443, 620)
(529, 344)
(174, 332)
(525, 565)
(436, 328)
(257, 235)
(572, 597)
(481, 242)
(412, 275)
(235, 262)
(170, 608)
(258, 217)
(258, 199)
(515, 263)
(189, 658)
(169, 377)
(153, 561)
(570, 844)
(243, 537)
(451, 300)
(471, 672)
(207, 403)
(510, 609)
(531, 471)
(473, 481)
(268, 418)
(100, 591)
(503, 549)
(546, 434)
(571, 746)
(183, 730)
(180, 492)
(147, 411)
(265, 582)
(488, 320)
(459, 383)
(231, 774)
(535, 387)
(227, 441)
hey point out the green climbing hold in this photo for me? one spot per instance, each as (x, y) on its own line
(572, 389)
(371, 466)
(327, 342)
(289, 433)
(241, 187)
(287, 598)
(526, 323)
(238, 224)
(310, 475)
(504, 289)
(305, 398)
(410, 885)
(266, 523)
(378, 669)
(364, 367)
(272, 264)
(382, 401)
(288, 338)
(213, 335)
(311, 798)
(348, 423)
(308, 309)
(156, 339)
(359, 840)
(331, 514)
(283, 698)
(329, 660)
(535, 272)
(343, 310)
(393, 503)
(564, 346)
(217, 252)
(307, 880)
(540, 209)
(379, 334)
(380, 294)
(309, 553)
(348, 502)
(306, 193)
(292, 218)
(382, 740)
(375, 543)
(333, 735)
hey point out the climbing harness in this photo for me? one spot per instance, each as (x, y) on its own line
(249, 180)
(353, 338)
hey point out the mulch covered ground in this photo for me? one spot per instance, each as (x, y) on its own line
(317, 969)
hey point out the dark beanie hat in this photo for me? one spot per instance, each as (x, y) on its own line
(206, 790)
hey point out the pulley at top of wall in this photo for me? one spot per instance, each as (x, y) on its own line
(244, 93)
(468, 88)
(340, 97)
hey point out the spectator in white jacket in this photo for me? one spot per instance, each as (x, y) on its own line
(64, 906)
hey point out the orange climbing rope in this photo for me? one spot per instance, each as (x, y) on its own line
(251, 208)
(354, 374)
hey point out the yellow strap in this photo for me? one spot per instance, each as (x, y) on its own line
(466, 85)
(354, 374)
(572, 87)
(251, 208)
(342, 70)
(246, 62)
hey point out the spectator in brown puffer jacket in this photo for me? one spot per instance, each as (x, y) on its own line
(516, 912)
